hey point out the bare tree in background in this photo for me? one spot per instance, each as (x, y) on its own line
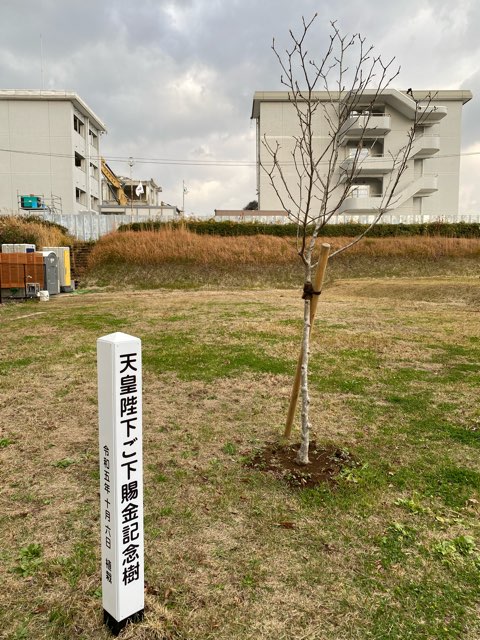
(351, 78)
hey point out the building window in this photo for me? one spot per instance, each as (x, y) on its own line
(93, 171)
(93, 203)
(80, 196)
(79, 161)
(93, 139)
(78, 125)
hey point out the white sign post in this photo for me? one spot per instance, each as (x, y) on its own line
(119, 362)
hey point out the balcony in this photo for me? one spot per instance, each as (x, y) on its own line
(367, 167)
(359, 203)
(425, 185)
(430, 114)
(365, 125)
(425, 146)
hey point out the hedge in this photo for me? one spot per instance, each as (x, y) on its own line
(381, 230)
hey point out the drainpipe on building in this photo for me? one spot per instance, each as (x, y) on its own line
(258, 162)
(87, 164)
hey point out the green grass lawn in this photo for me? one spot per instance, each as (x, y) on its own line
(392, 551)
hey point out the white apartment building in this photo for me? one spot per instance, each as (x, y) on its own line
(49, 147)
(429, 188)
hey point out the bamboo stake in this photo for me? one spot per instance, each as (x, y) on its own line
(317, 286)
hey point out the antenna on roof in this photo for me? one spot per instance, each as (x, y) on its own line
(41, 61)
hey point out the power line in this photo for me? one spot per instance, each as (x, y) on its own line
(198, 163)
(163, 161)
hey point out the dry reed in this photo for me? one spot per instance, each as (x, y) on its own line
(14, 229)
(181, 246)
(184, 247)
(416, 247)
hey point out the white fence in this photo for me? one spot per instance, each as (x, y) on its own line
(344, 218)
(406, 218)
(91, 225)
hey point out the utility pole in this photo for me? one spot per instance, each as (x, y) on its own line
(184, 192)
(131, 162)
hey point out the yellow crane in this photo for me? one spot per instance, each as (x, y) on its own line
(114, 184)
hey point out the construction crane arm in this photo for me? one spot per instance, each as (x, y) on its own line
(114, 182)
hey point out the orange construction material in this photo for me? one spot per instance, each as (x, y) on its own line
(18, 268)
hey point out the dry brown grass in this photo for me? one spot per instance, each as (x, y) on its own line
(40, 235)
(167, 246)
(415, 247)
(452, 290)
(219, 565)
(182, 246)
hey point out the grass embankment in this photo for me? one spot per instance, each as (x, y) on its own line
(182, 259)
(391, 552)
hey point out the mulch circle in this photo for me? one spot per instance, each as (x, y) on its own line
(326, 464)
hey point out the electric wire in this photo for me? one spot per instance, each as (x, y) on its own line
(124, 159)
(196, 163)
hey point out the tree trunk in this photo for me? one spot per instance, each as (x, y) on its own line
(302, 455)
(317, 286)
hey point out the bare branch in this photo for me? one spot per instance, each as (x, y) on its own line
(335, 100)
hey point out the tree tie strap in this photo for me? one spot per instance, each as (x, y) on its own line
(309, 291)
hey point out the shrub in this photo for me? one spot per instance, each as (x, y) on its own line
(349, 230)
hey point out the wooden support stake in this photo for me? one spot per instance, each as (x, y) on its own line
(317, 286)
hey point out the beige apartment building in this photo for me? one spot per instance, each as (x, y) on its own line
(49, 147)
(428, 190)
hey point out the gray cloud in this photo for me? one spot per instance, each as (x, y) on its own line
(175, 78)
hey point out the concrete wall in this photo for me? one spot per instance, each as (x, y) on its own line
(36, 128)
(279, 123)
(43, 134)
(446, 164)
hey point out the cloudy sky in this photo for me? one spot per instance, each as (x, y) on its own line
(173, 79)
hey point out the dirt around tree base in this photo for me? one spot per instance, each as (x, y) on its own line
(326, 464)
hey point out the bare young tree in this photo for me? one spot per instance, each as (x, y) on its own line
(329, 97)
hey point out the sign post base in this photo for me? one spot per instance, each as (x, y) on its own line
(116, 626)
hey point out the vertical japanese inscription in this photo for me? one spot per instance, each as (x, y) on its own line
(121, 485)
(128, 394)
